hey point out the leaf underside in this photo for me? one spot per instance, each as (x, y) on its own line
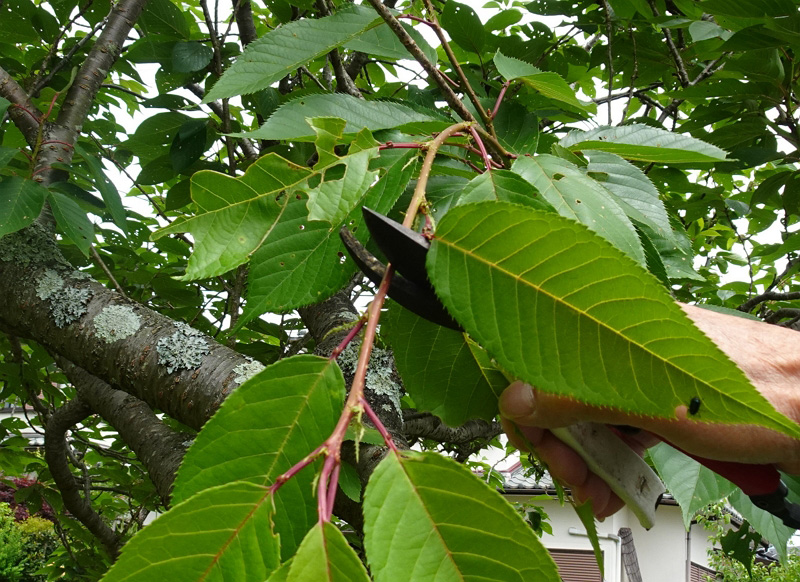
(560, 308)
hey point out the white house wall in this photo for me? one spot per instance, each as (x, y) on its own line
(662, 551)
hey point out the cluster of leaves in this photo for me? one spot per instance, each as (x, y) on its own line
(545, 235)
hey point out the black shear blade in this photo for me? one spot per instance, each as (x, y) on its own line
(405, 248)
(419, 299)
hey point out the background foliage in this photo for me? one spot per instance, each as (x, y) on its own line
(657, 138)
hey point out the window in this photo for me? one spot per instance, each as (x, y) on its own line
(577, 565)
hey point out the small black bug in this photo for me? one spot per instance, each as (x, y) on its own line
(694, 405)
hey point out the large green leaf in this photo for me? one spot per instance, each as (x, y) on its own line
(325, 556)
(464, 27)
(503, 185)
(632, 189)
(21, 202)
(428, 518)
(766, 524)
(382, 42)
(550, 85)
(279, 52)
(235, 215)
(289, 120)
(562, 309)
(691, 484)
(224, 533)
(303, 261)
(443, 371)
(644, 143)
(261, 430)
(575, 195)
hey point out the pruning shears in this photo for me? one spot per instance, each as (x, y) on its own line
(628, 475)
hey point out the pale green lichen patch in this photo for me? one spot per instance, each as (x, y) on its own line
(380, 377)
(33, 245)
(183, 350)
(68, 305)
(116, 322)
(247, 370)
(49, 284)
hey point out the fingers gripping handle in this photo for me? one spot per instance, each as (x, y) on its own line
(617, 464)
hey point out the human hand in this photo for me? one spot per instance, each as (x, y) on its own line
(769, 355)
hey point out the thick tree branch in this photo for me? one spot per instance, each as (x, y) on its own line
(56, 454)
(158, 447)
(748, 305)
(428, 426)
(244, 20)
(131, 364)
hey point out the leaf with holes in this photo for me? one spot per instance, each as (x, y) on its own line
(562, 309)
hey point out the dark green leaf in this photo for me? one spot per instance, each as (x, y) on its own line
(106, 188)
(464, 27)
(21, 202)
(72, 220)
(188, 57)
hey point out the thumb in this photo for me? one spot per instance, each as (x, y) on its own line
(527, 406)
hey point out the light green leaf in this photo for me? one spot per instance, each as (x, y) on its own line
(279, 52)
(440, 370)
(560, 308)
(691, 484)
(575, 195)
(550, 85)
(325, 556)
(644, 143)
(425, 515)
(21, 202)
(261, 430)
(503, 185)
(224, 533)
(586, 515)
(300, 262)
(632, 189)
(303, 261)
(72, 220)
(106, 188)
(235, 214)
(337, 195)
(289, 120)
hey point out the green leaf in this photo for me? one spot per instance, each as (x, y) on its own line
(261, 430)
(443, 371)
(6, 154)
(632, 189)
(425, 515)
(325, 556)
(561, 309)
(235, 214)
(503, 185)
(21, 202)
(645, 144)
(155, 135)
(106, 188)
(550, 85)
(188, 57)
(380, 41)
(739, 543)
(279, 52)
(336, 196)
(163, 17)
(691, 484)
(517, 128)
(72, 220)
(189, 144)
(300, 262)
(575, 195)
(221, 534)
(767, 525)
(464, 27)
(586, 515)
(289, 120)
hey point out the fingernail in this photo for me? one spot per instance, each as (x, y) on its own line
(517, 401)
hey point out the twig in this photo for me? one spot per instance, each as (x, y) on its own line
(683, 77)
(748, 305)
(99, 260)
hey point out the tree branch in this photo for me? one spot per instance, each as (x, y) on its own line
(25, 115)
(748, 305)
(158, 447)
(56, 453)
